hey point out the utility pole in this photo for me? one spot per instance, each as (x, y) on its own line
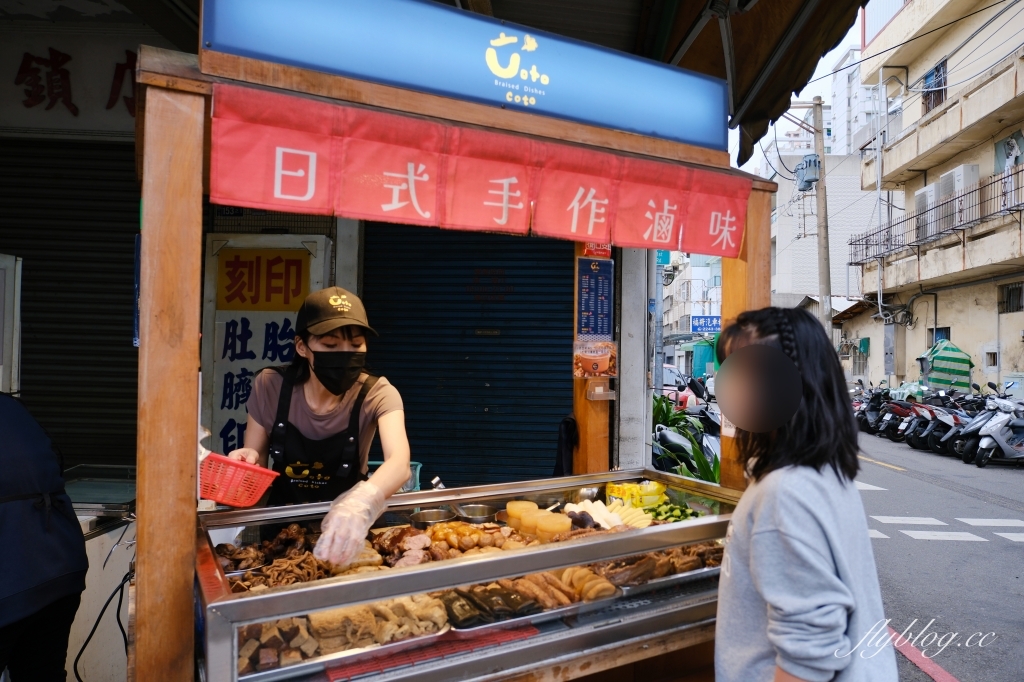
(659, 328)
(824, 265)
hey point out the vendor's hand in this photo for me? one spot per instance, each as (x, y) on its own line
(345, 527)
(245, 455)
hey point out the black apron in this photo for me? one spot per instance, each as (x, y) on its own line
(314, 470)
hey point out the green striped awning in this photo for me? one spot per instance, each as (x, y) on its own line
(949, 367)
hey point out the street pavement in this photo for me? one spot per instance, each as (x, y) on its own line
(949, 546)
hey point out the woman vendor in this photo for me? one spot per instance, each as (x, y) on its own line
(317, 417)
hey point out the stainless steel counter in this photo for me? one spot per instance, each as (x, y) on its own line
(644, 616)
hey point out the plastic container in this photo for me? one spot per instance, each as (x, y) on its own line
(515, 510)
(550, 526)
(528, 522)
(231, 482)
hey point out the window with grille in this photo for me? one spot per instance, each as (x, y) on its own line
(935, 335)
(934, 87)
(860, 362)
(1011, 297)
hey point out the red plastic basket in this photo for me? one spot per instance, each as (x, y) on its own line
(231, 482)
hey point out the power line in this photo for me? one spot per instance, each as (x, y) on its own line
(770, 163)
(890, 49)
(776, 130)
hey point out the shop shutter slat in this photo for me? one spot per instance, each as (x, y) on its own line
(476, 334)
(71, 211)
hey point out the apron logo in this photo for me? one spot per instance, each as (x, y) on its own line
(515, 67)
(289, 471)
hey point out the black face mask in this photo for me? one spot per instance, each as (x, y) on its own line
(338, 370)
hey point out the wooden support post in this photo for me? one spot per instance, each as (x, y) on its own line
(172, 227)
(746, 285)
(592, 416)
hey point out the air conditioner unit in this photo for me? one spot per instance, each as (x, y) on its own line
(925, 201)
(958, 194)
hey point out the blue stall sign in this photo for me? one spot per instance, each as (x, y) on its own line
(705, 324)
(595, 295)
(426, 46)
(664, 257)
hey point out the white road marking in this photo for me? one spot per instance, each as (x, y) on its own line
(910, 520)
(941, 535)
(867, 486)
(993, 522)
(872, 533)
(1014, 537)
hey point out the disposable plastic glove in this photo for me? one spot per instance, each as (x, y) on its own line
(347, 523)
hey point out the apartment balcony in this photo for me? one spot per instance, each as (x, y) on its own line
(971, 116)
(993, 198)
(913, 20)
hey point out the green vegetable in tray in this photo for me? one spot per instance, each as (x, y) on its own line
(673, 512)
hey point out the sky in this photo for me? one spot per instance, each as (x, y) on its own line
(822, 88)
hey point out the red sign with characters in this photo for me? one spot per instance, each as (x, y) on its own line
(300, 155)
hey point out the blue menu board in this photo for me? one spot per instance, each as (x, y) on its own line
(595, 281)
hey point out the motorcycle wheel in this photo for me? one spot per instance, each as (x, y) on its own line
(894, 435)
(970, 450)
(912, 441)
(935, 443)
(984, 455)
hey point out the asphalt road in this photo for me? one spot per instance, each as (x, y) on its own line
(932, 564)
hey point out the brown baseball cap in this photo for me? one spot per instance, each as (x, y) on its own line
(329, 309)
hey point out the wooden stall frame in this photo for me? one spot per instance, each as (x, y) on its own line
(173, 161)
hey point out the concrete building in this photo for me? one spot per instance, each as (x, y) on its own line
(852, 103)
(695, 290)
(795, 229)
(952, 265)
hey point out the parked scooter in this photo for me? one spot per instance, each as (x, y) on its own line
(869, 414)
(891, 416)
(711, 436)
(1002, 437)
(952, 417)
(967, 441)
(926, 412)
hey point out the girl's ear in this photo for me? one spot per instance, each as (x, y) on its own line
(301, 348)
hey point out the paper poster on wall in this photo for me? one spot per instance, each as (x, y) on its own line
(254, 287)
(244, 344)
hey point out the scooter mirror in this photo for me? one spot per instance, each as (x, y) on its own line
(698, 389)
(976, 387)
(993, 386)
(861, 382)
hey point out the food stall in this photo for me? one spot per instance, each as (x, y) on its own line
(643, 611)
(256, 123)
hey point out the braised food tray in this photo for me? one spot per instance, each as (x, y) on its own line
(350, 656)
(671, 581)
(539, 617)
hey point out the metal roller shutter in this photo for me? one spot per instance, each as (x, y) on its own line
(71, 211)
(476, 334)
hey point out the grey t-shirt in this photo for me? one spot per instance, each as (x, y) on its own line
(382, 399)
(799, 588)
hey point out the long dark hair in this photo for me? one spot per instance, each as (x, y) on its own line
(823, 430)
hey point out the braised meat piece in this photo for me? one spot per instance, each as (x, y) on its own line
(413, 557)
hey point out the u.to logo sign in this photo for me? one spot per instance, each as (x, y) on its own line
(300, 164)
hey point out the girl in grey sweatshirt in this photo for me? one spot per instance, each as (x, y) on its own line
(798, 597)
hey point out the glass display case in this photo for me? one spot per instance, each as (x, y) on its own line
(487, 610)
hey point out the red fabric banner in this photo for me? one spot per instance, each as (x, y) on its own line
(299, 155)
